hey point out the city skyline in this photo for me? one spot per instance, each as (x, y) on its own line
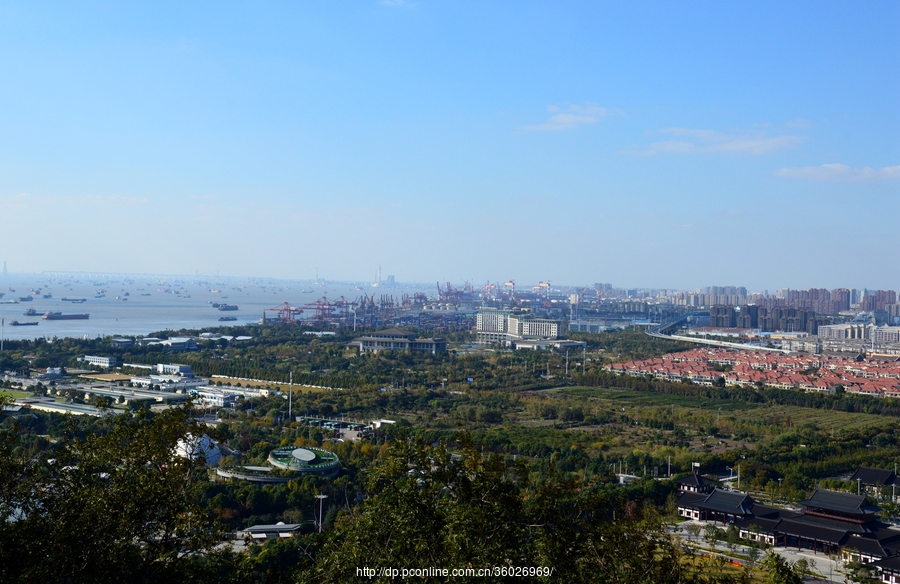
(392, 281)
(648, 145)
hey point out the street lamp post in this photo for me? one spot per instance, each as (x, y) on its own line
(321, 499)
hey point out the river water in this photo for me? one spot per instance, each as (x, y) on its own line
(139, 305)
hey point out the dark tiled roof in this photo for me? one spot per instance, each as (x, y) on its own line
(892, 563)
(695, 480)
(832, 524)
(688, 499)
(874, 476)
(866, 545)
(840, 502)
(887, 536)
(765, 524)
(729, 502)
(808, 530)
(769, 512)
(766, 518)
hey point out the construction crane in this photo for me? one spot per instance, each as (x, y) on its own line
(487, 291)
(453, 296)
(543, 288)
(285, 313)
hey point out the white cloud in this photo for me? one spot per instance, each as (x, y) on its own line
(18, 201)
(572, 117)
(694, 141)
(840, 172)
(800, 123)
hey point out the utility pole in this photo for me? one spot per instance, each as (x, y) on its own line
(321, 498)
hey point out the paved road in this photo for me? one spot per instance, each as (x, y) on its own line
(819, 563)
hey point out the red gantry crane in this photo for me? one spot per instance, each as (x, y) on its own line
(286, 313)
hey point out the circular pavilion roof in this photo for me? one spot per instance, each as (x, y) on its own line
(304, 454)
(306, 460)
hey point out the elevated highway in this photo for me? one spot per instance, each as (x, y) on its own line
(658, 332)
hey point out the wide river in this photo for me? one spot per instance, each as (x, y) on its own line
(139, 305)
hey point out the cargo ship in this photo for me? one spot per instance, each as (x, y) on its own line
(30, 312)
(61, 316)
(227, 318)
(227, 307)
(74, 300)
(17, 323)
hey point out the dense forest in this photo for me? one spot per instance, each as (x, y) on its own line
(496, 459)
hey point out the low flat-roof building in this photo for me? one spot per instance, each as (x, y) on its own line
(168, 382)
(271, 531)
(539, 344)
(174, 369)
(212, 397)
(106, 362)
(397, 340)
(180, 344)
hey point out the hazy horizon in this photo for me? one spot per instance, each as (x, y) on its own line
(400, 282)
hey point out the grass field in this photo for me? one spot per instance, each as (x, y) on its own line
(14, 394)
(626, 398)
(752, 413)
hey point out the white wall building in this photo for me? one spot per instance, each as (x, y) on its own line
(212, 397)
(886, 334)
(845, 331)
(174, 369)
(106, 362)
(504, 326)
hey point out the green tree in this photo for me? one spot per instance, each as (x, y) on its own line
(711, 534)
(117, 506)
(428, 509)
(780, 570)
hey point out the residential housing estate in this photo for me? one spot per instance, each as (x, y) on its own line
(874, 376)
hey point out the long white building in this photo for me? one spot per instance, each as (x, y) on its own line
(845, 331)
(505, 326)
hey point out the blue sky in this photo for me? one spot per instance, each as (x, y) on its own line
(644, 144)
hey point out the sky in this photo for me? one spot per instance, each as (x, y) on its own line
(645, 144)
